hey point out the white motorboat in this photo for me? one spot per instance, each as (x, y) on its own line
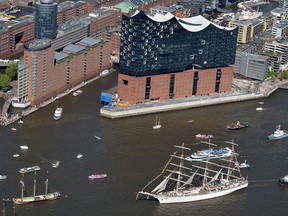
(242, 165)
(58, 113)
(97, 176)
(209, 154)
(16, 155)
(185, 181)
(204, 136)
(284, 180)
(79, 156)
(13, 129)
(259, 109)
(3, 177)
(55, 164)
(77, 92)
(105, 73)
(24, 147)
(278, 134)
(98, 138)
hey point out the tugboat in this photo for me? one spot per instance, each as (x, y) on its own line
(278, 134)
(237, 125)
(284, 180)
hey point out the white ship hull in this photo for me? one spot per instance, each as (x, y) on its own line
(194, 197)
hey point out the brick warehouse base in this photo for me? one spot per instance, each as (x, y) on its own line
(175, 85)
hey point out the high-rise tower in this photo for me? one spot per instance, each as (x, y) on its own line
(46, 19)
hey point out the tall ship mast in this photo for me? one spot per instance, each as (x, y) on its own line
(184, 180)
(34, 197)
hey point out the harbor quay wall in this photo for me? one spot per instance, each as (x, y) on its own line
(110, 113)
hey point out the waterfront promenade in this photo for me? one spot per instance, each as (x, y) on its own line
(242, 90)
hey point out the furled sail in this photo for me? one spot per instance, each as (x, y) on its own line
(162, 185)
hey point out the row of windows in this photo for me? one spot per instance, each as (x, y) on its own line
(144, 52)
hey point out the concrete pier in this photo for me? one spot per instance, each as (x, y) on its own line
(185, 103)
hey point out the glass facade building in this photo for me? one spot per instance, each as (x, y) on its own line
(166, 44)
(46, 19)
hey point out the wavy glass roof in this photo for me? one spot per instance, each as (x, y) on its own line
(192, 24)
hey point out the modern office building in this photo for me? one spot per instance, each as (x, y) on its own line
(283, 4)
(249, 64)
(247, 29)
(14, 34)
(46, 19)
(44, 73)
(279, 46)
(281, 29)
(164, 57)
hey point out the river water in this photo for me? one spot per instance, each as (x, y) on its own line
(132, 154)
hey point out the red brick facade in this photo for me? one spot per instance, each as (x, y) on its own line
(99, 24)
(132, 89)
(52, 78)
(13, 39)
(71, 13)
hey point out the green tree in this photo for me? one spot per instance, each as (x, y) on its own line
(12, 70)
(4, 82)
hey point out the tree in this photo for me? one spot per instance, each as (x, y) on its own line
(12, 70)
(4, 82)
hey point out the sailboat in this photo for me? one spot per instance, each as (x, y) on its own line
(187, 181)
(157, 123)
(35, 198)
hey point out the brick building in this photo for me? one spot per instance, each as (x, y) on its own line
(101, 19)
(163, 57)
(69, 10)
(44, 73)
(14, 34)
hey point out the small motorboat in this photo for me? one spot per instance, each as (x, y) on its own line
(24, 147)
(16, 155)
(55, 164)
(98, 138)
(20, 122)
(97, 176)
(58, 113)
(284, 180)
(261, 102)
(191, 121)
(13, 129)
(29, 169)
(242, 165)
(2, 177)
(77, 92)
(238, 125)
(7, 200)
(204, 136)
(79, 156)
(259, 109)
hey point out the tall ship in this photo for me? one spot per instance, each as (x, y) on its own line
(278, 134)
(187, 181)
(34, 197)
